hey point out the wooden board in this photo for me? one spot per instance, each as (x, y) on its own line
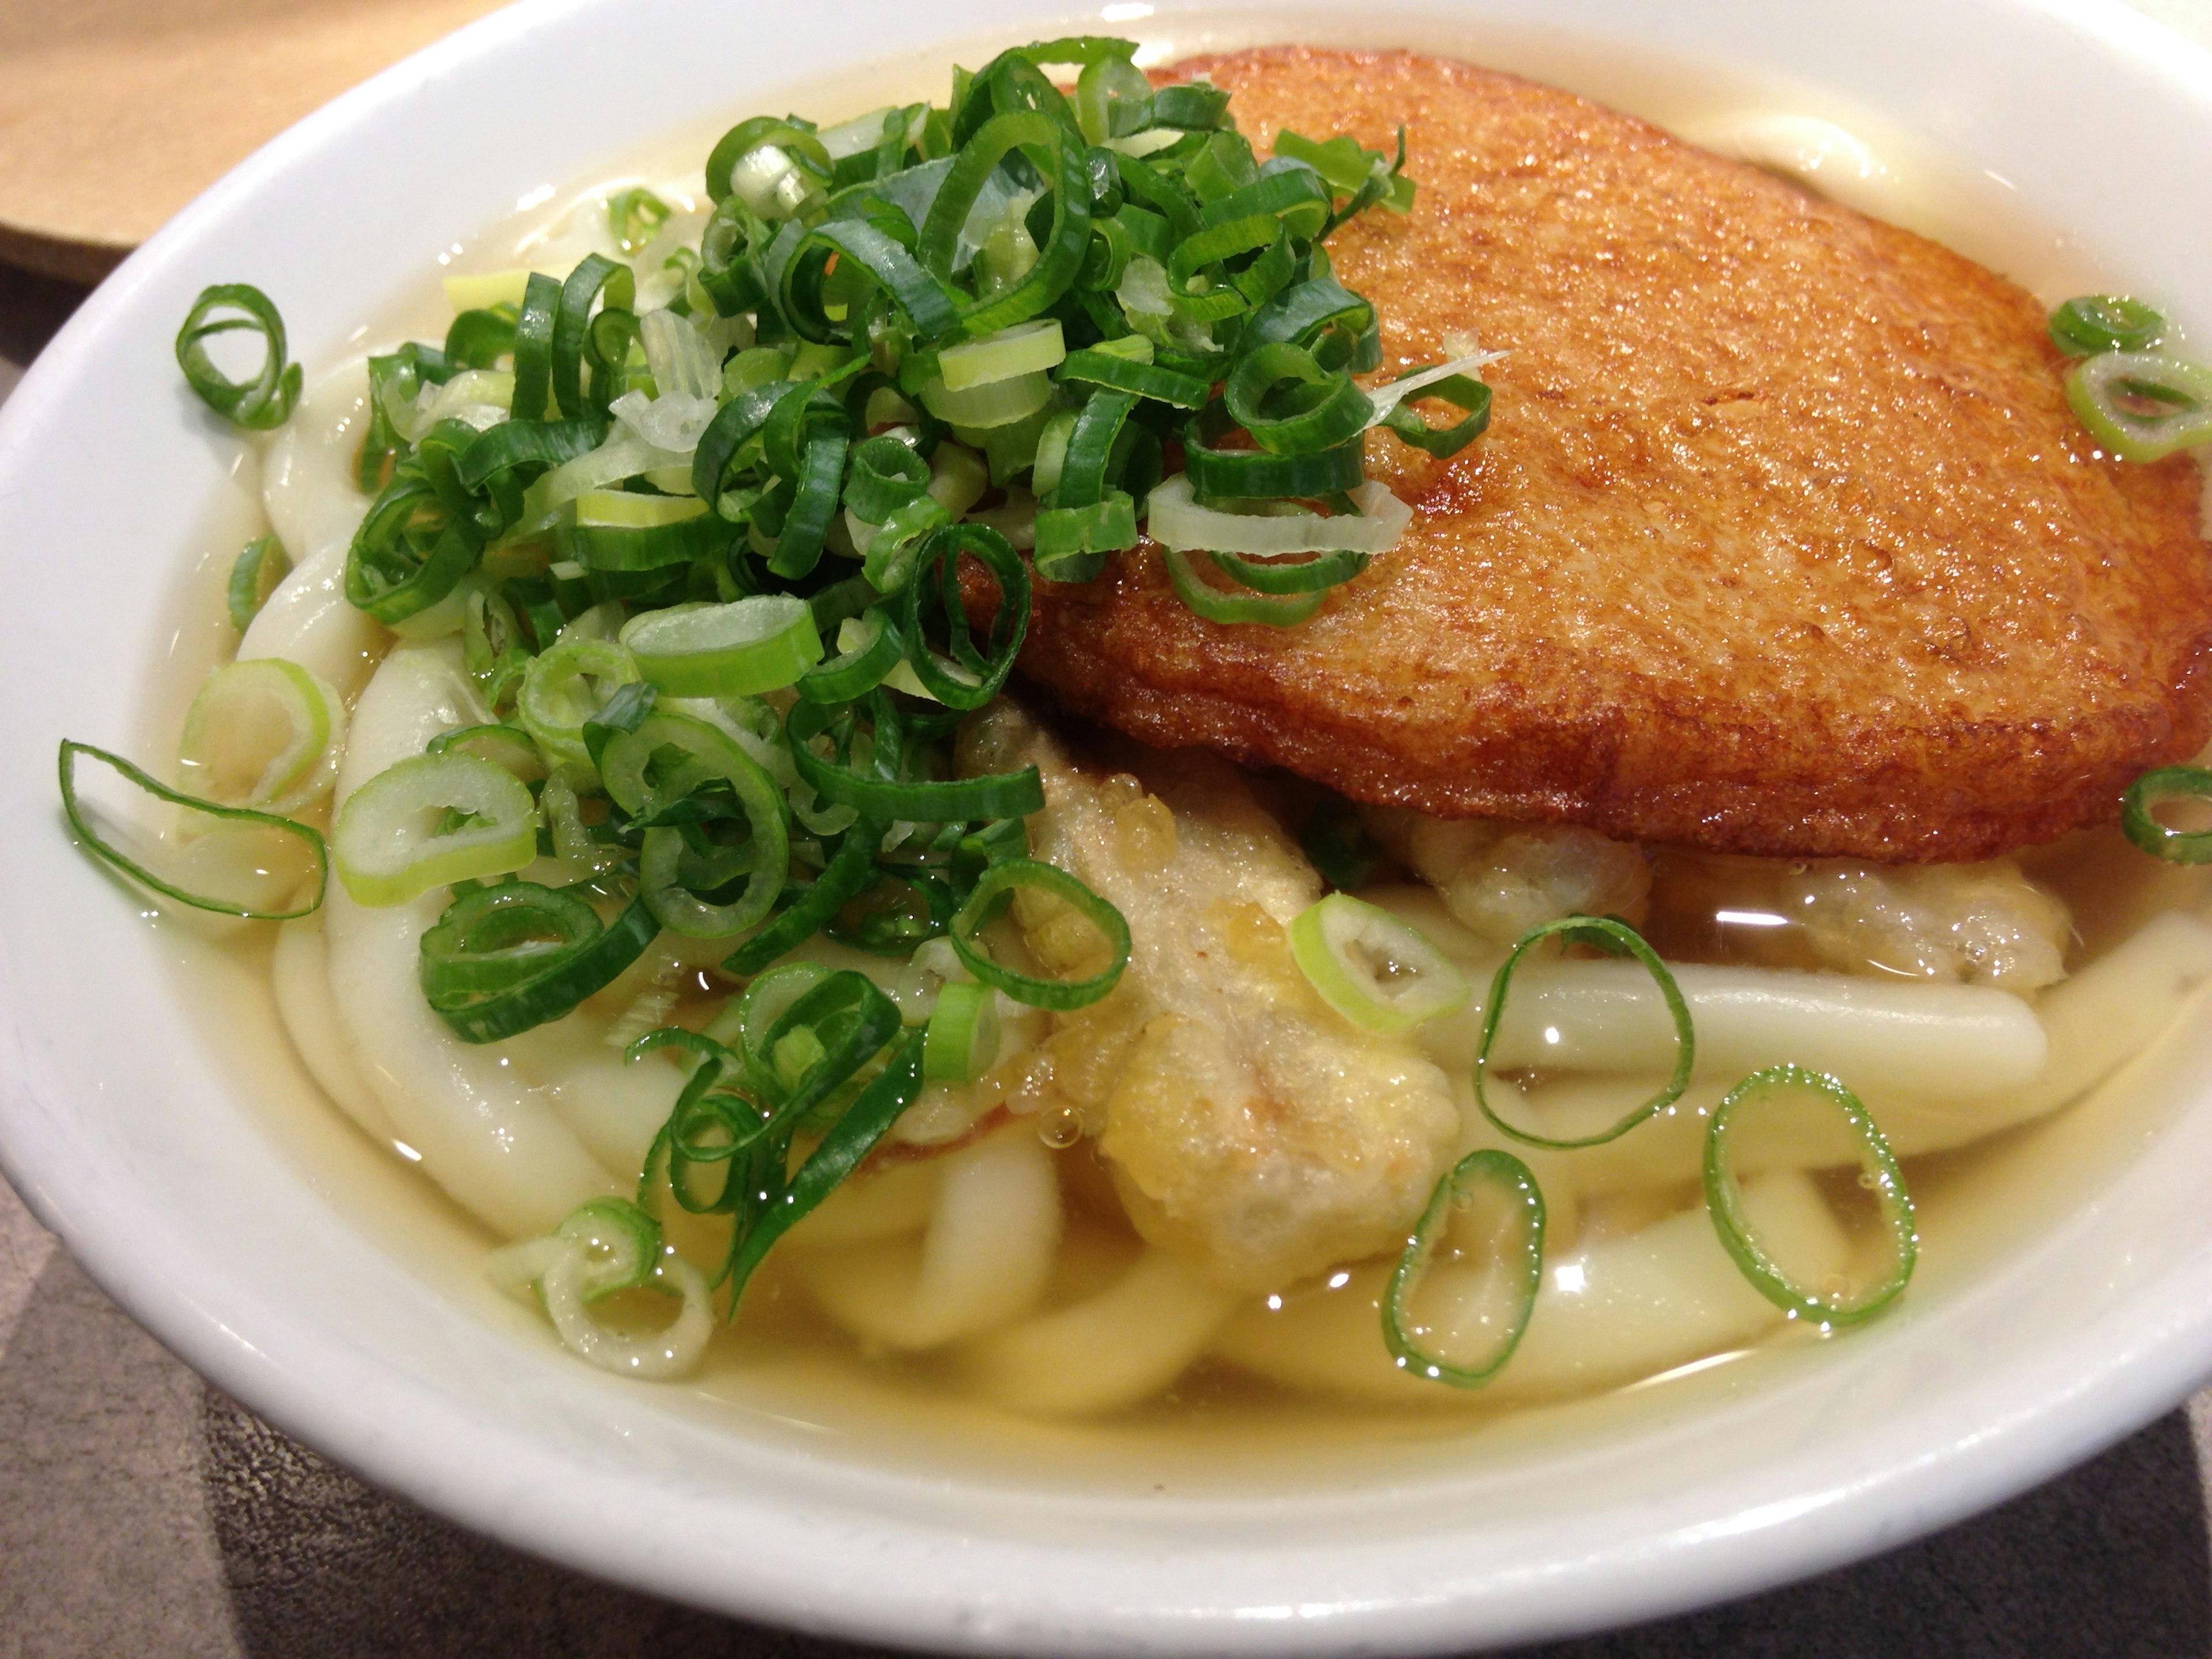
(114, 113)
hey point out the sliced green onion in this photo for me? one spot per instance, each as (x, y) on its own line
(1381, 973)
(260, 565)
(263, 733)
(752, 645)
(1001, 795)
(564, 687)
(826, 1034)
(502, 746)
(870, 647)
(533, 346)
(992, 890)
(1320, 409)
(634, 216)
(1470, 396)
(851, 868)
(1072, 541)
(478, 338)
(257, 405)
(606, 1246)
(506, 959)
(1263, 610)
(993, 403)
(2091, 323)
(882, 475)
(1023, 349)
(411, 551)
(2143, 798)
(968, 678)
(1241, 474)
(1175, 519)
(666, 757)
(1615, 938)
(615, 530)
(961, 1037)
(594, 276)
(1349, 168)
(1096, 366)
(1314, 576)
(2140, 406)
(1724, 1199)
(391, 841)
(102, 848)
(1446, 1350)
(850, 1138)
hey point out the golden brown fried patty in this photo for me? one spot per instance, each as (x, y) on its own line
(1782, 539)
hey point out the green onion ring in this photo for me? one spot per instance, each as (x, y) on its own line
(260, 565)
(1326, 408)
(1615, 938)
(595, 275)
(566, 977)
(839, 1024)
(883, 476)
(961, 1037)
(940, 554)
(533, 346)
(493, 939)
(1724, 1199)
(2181, 393)
(859, 670)
(998, 882)
(1470, 396)
(1001, 795)
(1231, 474)
(1072, 541)
(1229, 610)
(850, 1138)
(847, 876)
(101, 848)
(2167, 783)
(1093, 367)
(2091, 323)
(257, 404)
(1314, 576)
(1505, 1171)
(707, 753)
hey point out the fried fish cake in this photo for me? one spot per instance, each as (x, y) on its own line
(1782, 540)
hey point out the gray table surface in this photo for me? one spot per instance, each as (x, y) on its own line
(143, 1513)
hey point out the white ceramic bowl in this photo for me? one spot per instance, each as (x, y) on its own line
(242, 1243)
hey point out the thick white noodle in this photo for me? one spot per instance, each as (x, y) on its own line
(985, 1260)
(1122, 1345)
(308, 492)
(1930, 1041)
(1614, 1311)
(501, 1147)
(2106, 1014)
(872, 1207)
(299, 973)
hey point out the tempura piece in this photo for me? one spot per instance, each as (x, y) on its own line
(1251, 1129)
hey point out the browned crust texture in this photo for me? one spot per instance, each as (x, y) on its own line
(1782, 541)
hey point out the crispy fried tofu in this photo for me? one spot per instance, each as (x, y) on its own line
(1782, 540)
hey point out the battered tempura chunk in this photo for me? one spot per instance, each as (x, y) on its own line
(1249, 1126)
(1782, 539)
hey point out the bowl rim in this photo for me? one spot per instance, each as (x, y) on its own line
(2100, 1384)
